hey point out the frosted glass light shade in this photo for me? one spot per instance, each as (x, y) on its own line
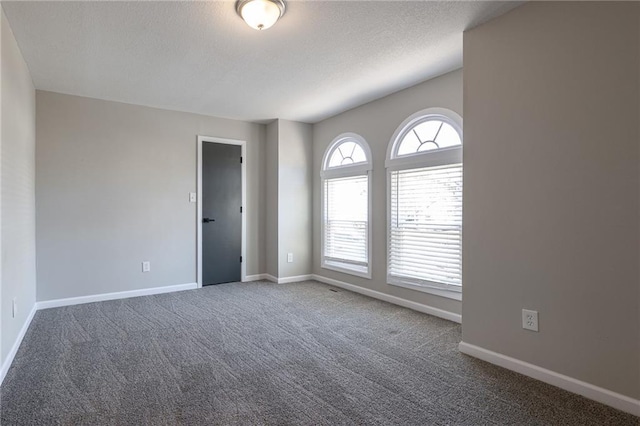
(260, 14)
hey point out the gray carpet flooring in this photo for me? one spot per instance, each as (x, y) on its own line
(261, 353)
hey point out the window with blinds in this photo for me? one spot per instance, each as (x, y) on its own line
(425, 235)
(346, 226)
(424, 239)
(346, 198)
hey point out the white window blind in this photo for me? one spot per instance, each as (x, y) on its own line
(346, 222)
(425, 236)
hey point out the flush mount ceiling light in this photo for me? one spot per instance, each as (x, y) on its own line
(260, 14)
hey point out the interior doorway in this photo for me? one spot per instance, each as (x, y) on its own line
(221, 218)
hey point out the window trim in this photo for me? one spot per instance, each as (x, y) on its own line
(418, 159)
(393, 162)
(350, 170)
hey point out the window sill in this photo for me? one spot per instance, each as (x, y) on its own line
(341, 267)
(449, 294)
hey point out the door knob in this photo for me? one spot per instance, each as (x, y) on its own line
(207, 220)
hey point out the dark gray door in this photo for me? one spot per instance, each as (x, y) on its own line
(221, 213)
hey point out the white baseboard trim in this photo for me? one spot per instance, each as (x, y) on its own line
(392, 299)
(270, 278)
(112, 296)
(613, 399)
(295, 279)
(256, 277)
(276, 280)
(16, 345)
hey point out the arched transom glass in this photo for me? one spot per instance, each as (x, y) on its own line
(346, 153)
(428, 135)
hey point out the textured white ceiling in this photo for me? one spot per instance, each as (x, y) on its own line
(321, 58)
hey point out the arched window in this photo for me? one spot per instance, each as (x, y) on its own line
(424, 166)
(346, 206)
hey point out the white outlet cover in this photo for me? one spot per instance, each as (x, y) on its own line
(14, 308)
(146, 266)
(530, 320)
(289, 257)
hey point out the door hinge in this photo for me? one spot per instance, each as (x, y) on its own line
(240, 160)
(240, 209)
(240, 259)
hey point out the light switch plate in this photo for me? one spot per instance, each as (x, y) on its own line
(193, 197)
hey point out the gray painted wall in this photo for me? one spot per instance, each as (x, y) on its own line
(271, 167)
(551, 189)
(376, 122)
(294, 197)
(17, 212)
(112, 187)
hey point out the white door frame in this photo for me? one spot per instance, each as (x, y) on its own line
(243, 250)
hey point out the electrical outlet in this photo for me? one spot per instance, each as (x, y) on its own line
(193, 197)
(14, 307)
(530, 320)
(146, 266)
(289, 257)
